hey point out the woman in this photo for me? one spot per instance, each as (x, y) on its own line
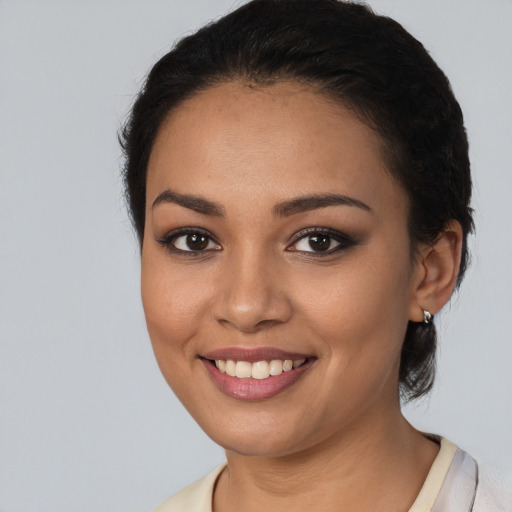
(298, 177)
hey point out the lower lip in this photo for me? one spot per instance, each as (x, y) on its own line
(255, 389)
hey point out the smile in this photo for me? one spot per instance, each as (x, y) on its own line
(258, 370)
(255, 374)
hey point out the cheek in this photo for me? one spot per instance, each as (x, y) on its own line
(360, 308)
(173, 304)
(361, 319)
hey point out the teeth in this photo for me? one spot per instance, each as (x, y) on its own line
(230, 368)
(276, 367)
(243, 369)
(259, 370)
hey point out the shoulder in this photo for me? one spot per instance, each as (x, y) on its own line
(457, 482)
(494, 492)
(196, 497)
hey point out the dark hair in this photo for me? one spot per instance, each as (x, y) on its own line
(370, 64)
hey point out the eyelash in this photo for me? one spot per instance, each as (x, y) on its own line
(170, 238)
(344, 241)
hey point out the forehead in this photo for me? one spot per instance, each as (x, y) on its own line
(283, 139)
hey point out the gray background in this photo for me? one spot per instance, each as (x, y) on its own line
(86, 421)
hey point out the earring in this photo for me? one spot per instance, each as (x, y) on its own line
(427, 317)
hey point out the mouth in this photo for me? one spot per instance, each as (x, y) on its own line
(255, 374)
(259, 370)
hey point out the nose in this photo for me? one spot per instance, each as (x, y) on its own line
(252, 295)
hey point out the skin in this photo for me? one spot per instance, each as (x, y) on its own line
(336, 439)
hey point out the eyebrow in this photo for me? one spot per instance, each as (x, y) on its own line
(316, 201)
(285, 209)
(195, 203)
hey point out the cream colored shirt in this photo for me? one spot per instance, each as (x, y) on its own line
(451, 486)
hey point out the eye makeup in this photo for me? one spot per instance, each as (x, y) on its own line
(314, 241)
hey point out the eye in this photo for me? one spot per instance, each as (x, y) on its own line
(317, 243)
(192, 240)
(320, 240)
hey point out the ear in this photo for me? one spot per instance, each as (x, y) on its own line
(435, 272)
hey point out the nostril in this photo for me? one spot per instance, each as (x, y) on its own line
(248, 304)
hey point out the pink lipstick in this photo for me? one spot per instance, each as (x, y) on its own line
(255, 373)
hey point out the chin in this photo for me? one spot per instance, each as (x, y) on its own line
(261, 436)
(256, 446)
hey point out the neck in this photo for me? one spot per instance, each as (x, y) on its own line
(375, 468)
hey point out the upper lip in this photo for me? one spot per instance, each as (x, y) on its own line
(253, 354)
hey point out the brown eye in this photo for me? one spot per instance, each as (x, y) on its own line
(189, 241)
(319, 242)
(196, 242)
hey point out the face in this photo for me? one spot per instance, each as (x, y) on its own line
(275, 237)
